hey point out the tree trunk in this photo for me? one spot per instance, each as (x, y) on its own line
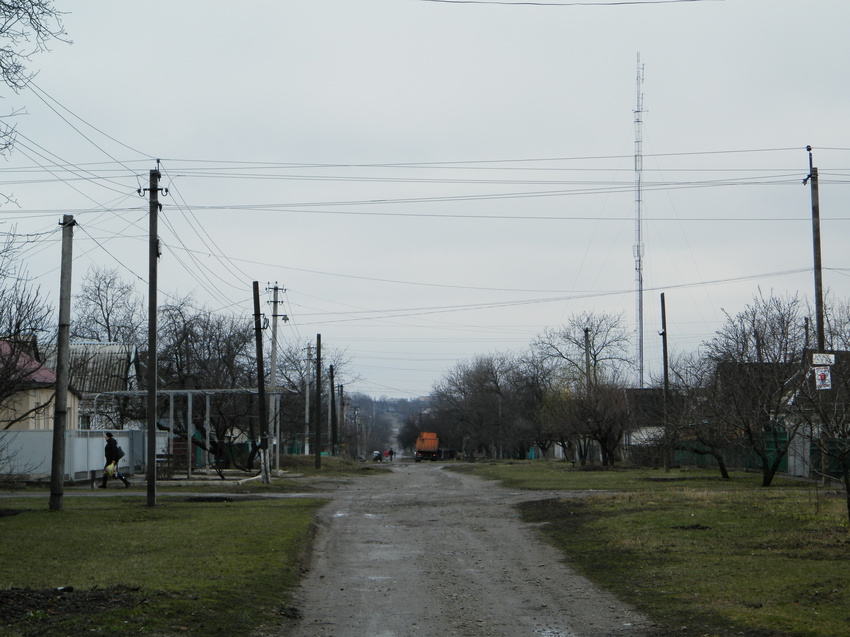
(721, 464)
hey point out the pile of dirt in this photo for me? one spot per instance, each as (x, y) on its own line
(48, 606)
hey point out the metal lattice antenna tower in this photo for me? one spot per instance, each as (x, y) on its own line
(638, 247)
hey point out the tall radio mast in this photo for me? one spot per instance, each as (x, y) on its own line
(638, 247)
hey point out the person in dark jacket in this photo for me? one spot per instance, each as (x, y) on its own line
(113, 454)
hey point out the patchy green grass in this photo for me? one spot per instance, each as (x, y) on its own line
(701, 556)
(561, 475)
(180, 567)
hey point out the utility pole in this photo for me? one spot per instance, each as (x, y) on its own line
(318, 440)
(274, 397)
(60, 412)
(307, 380)
(819, 319)
(332, 408)
(666, 381)
(587, 359)
(261, 388)
(341, 416)
(153, 257)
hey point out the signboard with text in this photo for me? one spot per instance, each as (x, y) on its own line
(819, 360)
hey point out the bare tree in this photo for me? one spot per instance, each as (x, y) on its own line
(757, 357)
(108, 309)
(690, 425)
(26, 28)
(600, 339)
(592, 351)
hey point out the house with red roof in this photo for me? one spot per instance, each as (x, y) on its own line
(27, 392)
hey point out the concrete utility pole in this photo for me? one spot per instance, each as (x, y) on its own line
(318, 441)
(341, 413)
(274, 398)
(60, 412)
(819, 320)
(153, 256)
(332, 408)
(666, 381)
(261, 388)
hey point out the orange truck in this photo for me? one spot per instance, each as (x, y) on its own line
(427, 447)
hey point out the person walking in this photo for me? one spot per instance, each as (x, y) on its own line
(113, 454)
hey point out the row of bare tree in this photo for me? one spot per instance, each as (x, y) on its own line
(747, 397)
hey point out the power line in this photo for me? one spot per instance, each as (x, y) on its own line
(606, 3)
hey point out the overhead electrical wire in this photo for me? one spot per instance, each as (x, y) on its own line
(419, 311)
(208, 240)
(604, 3)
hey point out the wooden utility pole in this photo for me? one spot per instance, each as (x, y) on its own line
(819, 319)
(318, 410)
(153, 256)
(60, 412)
(261, 388)
(307, 380)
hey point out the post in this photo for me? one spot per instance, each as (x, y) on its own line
(207, 430)
(341, 416)
(261, 388)
(153, 256)
(332, 409)
(190, 434)
(308, 373)
(666, 381)
(60, 412)
(819, 319)
(318, 410)
(273, 382)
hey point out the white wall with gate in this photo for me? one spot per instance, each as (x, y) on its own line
(30, 453)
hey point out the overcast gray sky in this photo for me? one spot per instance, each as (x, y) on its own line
(435, 180)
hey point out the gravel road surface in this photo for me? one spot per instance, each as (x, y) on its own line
(429, 552)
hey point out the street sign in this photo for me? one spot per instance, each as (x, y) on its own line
(823, 359)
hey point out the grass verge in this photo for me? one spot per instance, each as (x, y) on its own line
(699, 555)
(199, 566)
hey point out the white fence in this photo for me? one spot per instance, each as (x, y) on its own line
(30, 453)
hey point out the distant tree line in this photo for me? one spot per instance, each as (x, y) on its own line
(747, 396)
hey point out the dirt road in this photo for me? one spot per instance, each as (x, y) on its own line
(429, 552)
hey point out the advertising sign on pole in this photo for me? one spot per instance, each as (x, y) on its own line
(823, 379)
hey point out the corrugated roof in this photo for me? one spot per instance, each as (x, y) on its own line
(102, 367)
